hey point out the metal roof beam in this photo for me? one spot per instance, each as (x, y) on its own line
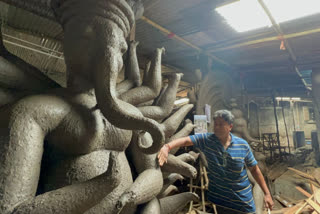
(278, 29)
(263, 40)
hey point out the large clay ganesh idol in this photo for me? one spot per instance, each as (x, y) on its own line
(89, 124)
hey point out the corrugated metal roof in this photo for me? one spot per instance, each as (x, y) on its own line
(29, 22)
(41, 52)
(194, 21)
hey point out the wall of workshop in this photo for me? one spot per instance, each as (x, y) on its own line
(298, 117)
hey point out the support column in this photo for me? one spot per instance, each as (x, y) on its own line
(316, 96)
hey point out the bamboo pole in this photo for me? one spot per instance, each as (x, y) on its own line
(202, 187)
(191, 203)
(206, 177)
(195, 187)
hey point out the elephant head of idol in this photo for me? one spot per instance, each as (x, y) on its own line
(95, 34)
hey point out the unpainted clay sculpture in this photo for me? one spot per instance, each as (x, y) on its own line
(146, 186)
(173, 177)
(258, 194)
(168, 205)
(146, 165)
(240, 128)
(88, 123)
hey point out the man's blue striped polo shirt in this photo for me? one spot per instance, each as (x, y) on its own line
(229, 185)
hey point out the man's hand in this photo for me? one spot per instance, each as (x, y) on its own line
(268, 201)
(163, 154)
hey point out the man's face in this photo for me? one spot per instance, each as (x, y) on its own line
(221, 127)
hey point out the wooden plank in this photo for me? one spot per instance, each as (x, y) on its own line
(293, 209)
(312, 187)
(317, 196)
(313, 191)
(313, 205)
(305, 175)
(300, 209)
(305, 193)
(315, 183)
(281, 211)
(316, 175)
(283, 201)
(305, 204)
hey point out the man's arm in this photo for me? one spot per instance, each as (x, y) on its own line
(164, 151)
(256, 173)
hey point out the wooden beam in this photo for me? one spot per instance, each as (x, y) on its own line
(183, 93)
(305, 193)
(305, 175)
(277, 68)
(314, 205)
(180, 39)
(283, 201)
(263, 40)
(302, 174)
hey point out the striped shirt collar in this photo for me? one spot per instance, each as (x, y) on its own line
(215, 138)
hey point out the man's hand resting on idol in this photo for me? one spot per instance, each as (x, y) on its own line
(163, 154)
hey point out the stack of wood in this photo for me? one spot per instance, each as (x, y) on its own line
(309, 205)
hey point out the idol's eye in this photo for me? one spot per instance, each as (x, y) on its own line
(123, 50)
(123, 47)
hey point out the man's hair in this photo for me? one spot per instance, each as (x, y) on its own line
(224, 114)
